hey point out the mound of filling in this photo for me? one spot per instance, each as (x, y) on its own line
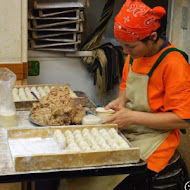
(57, 108)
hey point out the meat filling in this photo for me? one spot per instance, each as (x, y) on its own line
(57, 108)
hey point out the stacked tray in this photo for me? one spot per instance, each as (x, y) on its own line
(69, 147)
(23, 96)
(56, 25)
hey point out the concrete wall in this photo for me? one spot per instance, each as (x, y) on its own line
(13, 31)
(179, 36)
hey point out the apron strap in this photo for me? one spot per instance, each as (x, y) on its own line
(131, 61)
(162, 57)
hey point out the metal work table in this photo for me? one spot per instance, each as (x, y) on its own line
(8, 173)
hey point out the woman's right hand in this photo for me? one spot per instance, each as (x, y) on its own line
(117, 103)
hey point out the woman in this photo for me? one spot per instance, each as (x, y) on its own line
(153, 102)
(154, 97)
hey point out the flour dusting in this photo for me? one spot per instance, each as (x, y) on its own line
(34, 146)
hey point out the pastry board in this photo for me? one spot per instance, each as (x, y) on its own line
(69, 159)
(27, 104)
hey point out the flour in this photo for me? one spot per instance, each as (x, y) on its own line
(34, 146)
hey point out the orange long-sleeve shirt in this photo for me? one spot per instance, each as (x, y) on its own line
(168, 90)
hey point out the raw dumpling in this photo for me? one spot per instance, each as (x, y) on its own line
(60, 138)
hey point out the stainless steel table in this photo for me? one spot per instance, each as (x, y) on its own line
(8, 173)
(11, 176)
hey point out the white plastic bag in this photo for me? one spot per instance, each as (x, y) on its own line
(7, 107)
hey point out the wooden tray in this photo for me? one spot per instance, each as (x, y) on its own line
(26, 105)
(70, 160)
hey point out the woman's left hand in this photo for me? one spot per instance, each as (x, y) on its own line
(122, 116)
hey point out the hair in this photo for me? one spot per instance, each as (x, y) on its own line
(160, 31)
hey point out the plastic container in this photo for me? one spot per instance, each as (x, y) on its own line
(7, 106)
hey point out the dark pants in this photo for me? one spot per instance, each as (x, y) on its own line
(137, 182)
(46, 185)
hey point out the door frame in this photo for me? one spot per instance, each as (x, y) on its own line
(170, 15)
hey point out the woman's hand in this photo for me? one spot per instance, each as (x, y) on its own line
(120, 101)
(122, 116)
(115, 103)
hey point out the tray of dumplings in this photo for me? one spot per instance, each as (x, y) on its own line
(25, 95)
(69, 147)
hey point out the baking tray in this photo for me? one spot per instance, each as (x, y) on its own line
(47, 23)
(27, 104)
(67, 159)
(44, 34)
(46, 43)
(61, 38)
(66, 13)
(55, 4)
(64, 48)
(73, 14)
(73, 27)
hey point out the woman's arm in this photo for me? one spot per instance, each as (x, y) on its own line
(167, 120)
(125, 117)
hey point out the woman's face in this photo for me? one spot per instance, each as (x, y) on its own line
(136, 49)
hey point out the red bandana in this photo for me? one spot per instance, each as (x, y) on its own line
(135, 21)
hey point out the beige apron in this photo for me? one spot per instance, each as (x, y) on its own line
(146, 138)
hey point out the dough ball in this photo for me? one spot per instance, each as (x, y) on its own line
(91, 120)
(60, 138)
(46, 89)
